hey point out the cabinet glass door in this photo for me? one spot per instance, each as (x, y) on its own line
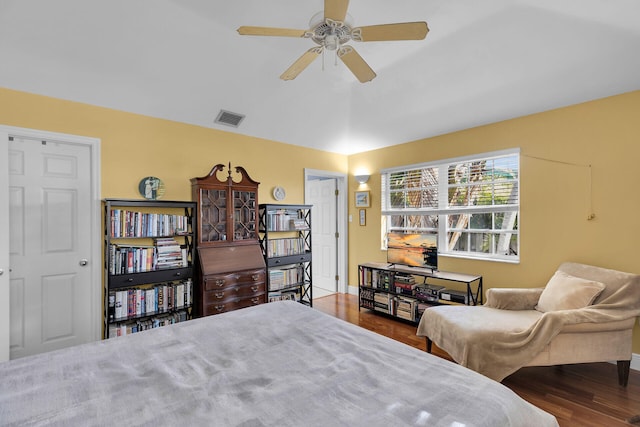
(213, 215)
(244, 216)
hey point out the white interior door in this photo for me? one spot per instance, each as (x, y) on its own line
(52, 255)
(322, 195)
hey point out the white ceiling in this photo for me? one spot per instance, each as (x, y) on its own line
(482, 62)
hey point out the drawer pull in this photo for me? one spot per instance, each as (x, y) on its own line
(219, 282)
(255, 277)
(129, 280)
(255, 300)
(178, 273)
(254, 288)
(219, 295)
(219, 308)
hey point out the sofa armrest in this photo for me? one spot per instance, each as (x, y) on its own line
(513, 298)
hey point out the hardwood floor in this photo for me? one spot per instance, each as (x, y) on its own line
(578, 395)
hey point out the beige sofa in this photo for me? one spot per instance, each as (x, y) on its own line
(584, 314)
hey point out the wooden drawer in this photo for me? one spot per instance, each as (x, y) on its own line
(233, 292)
(216, 282)
(233, 304)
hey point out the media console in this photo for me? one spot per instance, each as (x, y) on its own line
(405, 292)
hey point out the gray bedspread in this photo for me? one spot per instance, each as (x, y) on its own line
(277, 364)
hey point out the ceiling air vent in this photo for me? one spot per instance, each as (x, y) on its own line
(230, 119)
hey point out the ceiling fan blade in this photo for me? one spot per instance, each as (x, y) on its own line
(336, 9)
(401, 31)
(356, 64)
(301, 63)
(269, 31)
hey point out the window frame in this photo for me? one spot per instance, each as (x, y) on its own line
(443, 211)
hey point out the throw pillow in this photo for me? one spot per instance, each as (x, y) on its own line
(566, 292)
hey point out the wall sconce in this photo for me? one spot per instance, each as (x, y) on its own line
(362, 179)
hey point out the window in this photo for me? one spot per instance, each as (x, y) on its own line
(472, 203)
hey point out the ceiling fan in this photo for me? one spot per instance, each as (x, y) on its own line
(331, 30)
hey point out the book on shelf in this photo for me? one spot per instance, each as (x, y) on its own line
(135, 302)
(292, 295)
(405, 288)
(125, 259)
(404, 278)
(169, 253)
(125, 223)
(280, 278)
(285, 247)
(298, 224)
(366, 294)
(111, 310)
(131, 327)
(285, 220)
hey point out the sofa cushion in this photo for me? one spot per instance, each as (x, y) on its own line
(566, 292)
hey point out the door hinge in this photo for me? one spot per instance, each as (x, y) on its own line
(337, 192)
(337, 235)
(337, 278)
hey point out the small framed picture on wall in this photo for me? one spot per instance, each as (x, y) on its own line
(363, 217)
(362, 199)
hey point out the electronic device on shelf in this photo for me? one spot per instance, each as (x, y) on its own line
(413, 249)
(454, 296)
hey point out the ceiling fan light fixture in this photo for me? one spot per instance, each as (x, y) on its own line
(332, 29)
(331, 42)
(329, 33)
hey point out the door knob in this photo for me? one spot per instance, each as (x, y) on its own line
(83, 262)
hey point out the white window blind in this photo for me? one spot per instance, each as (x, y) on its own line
(472, 203)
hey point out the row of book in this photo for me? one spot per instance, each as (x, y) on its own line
(169, 253)
(404, 284)
(135, 302)
(280, 278)
(284, 220)
(126, 223)
(292, 295)
(379, 279)
(121, 329)
(166, 253)
(395, 305)
(285, 247)
(366, 298)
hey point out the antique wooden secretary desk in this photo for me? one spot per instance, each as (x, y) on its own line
(230, 267)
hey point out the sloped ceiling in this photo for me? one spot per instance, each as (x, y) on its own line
(482, 62)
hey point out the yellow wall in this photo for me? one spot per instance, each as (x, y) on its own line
(135, 146)
(555, 197)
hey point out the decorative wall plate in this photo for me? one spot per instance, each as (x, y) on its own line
(151, 188)
(279, 193)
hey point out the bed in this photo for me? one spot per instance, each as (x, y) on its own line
(277, 364)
